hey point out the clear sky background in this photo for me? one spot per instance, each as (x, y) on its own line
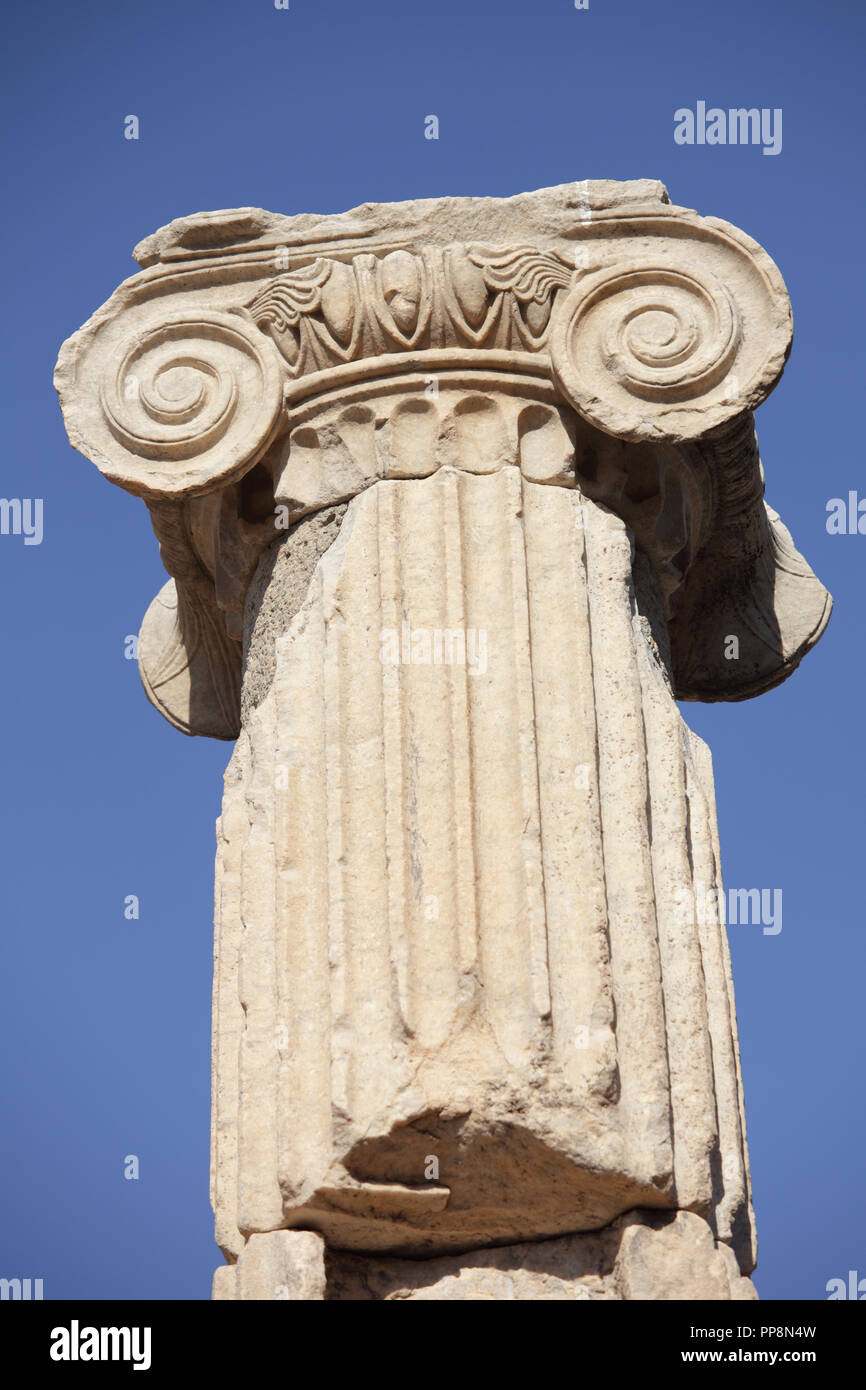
(105, 1022)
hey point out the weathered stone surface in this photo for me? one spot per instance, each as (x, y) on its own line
(642, 1255)
(457, 930)
(457, 498)
(649, 1256)
(677, 1261)
(276, 592)
(282, 1265)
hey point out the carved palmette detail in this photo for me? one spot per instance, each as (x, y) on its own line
(285, 299)
(643, 349)
(532, 275)
(332, 312)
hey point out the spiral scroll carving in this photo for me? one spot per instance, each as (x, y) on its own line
(192, 403)
(649, 352)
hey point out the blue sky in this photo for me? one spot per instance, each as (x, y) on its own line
(105, 1022)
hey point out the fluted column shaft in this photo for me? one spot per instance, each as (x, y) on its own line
(462, 836)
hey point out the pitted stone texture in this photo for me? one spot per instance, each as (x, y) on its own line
(278, 589)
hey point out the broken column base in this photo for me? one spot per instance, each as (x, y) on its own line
(641, 1255)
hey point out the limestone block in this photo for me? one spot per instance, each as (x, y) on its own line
(282, 1265)
(225, 1284)
(677, 1261)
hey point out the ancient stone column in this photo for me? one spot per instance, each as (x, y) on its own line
(458, 497)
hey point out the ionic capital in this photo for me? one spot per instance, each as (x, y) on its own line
(287, 363)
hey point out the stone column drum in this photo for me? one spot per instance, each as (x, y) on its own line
(458, 498)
